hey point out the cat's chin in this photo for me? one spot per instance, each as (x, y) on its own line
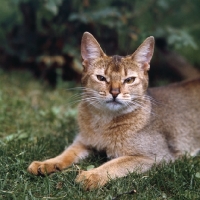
(116, 107)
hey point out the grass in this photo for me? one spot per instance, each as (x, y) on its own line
(37, 123)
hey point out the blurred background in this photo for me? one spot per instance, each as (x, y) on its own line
(43, 36)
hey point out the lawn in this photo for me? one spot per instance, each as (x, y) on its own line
(38, 123)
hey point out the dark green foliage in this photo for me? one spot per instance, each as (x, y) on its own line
(38, 27)
(37, 123)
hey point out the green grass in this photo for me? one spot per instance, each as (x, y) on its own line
(38, 123)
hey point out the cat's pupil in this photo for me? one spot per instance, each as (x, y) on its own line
(101, 78)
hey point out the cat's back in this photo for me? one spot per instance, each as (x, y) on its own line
(182, 94)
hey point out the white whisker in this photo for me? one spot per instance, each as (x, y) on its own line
(93, 98)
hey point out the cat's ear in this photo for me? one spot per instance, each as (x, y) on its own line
(144, 53)
(90, 48)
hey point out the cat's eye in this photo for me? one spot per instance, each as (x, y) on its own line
(101, 78)
(129, 80)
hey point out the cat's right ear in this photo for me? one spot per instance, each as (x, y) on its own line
(90, 49)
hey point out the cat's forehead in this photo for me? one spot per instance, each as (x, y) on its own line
(116, 64)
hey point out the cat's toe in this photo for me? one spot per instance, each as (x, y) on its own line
(91, 180)
(33, 167)
(42, 168)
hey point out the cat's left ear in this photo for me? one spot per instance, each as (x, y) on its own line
(144, 53)
(90, 49)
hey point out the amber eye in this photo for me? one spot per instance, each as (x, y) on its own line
(129, 80)
(101, 78)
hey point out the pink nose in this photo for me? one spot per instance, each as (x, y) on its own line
(114, 92)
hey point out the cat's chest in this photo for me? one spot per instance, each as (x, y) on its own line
(107, 135)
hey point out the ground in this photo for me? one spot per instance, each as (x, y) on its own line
(38, 123)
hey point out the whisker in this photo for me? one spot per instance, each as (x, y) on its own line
(93, 103)
(141, 105)
(93, 98)
(88, 95)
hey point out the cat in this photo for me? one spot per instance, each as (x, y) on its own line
(135, 125)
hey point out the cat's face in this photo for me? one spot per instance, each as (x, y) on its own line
(115, 83)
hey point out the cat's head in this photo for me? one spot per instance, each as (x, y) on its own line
(115, 82)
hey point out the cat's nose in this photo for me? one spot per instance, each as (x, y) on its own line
(114, 92)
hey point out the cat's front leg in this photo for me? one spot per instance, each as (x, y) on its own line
(118, 167)
(71, 155)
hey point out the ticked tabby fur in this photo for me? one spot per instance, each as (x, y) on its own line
(136, 126)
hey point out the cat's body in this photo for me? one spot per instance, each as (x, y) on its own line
(173, 134)
(135, 126)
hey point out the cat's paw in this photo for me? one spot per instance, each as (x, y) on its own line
(45, 167)
(91, 179)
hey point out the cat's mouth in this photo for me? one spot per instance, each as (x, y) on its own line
(114, 102)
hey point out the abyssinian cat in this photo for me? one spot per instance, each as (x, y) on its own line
(136, 127)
